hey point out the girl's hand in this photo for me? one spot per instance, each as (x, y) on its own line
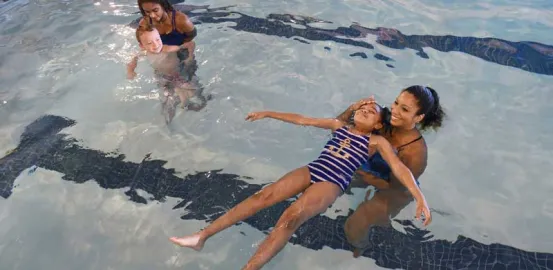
(422, 208)
(254, 116)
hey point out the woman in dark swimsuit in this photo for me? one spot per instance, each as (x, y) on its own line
(416, 109)
(175, 29)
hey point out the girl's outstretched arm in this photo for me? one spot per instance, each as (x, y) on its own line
(403, 174)
(298, 119)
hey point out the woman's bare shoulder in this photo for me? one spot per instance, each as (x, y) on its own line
(183, 23)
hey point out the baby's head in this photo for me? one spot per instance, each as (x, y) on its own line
(149, 39)
(371, 117)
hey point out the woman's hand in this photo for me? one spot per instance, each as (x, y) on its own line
(360, 103)
(171, 48)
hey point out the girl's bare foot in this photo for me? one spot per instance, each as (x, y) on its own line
(192, 241)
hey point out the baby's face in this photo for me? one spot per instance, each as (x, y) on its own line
(151, 41)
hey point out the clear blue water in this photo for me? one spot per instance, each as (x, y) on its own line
(489, 167)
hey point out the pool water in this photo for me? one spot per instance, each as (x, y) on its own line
(489, 166)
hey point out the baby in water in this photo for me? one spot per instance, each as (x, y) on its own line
(167, 68)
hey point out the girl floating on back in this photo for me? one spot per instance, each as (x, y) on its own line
(320, 181)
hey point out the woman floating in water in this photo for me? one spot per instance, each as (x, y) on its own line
(321, 181)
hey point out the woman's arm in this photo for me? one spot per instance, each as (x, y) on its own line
(142, 22)
(372, 180)
(298, 119)
(402, 173)
(185, 26)
(171, 48)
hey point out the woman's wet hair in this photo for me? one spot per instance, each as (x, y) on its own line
(163, 3)
(386, 116)
(429, 105)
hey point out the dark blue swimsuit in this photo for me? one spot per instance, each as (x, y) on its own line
(175, 37)
(377, 166)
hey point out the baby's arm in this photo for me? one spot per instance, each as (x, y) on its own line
(131, 66)
(298, 119)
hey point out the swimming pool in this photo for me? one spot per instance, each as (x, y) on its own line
(488, 167)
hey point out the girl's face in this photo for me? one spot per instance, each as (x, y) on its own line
(368, 117)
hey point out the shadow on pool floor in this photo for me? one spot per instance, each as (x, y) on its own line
(205, 193)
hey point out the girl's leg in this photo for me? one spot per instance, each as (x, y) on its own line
(315, 200)
(289, 185)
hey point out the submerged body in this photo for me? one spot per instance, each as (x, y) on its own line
(167, 67)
